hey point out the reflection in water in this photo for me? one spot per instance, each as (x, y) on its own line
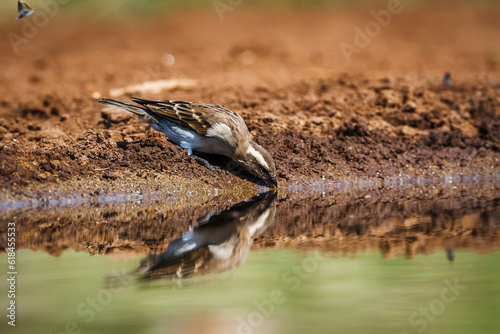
(450, 254)
(221, 240)
(409, 220)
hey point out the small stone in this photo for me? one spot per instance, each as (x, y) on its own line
(83, 160)
(33, 127)
(317, 120)
(388, 98)
(410, 106)
(411, 132)
(41, 177)
(8, 136)
(55, 164)
(110, 175)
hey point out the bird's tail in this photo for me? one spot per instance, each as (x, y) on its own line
(122, 105)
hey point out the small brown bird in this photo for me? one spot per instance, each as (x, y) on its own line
(204, 128)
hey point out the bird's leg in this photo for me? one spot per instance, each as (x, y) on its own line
(205, 162)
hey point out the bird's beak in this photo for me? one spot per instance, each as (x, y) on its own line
(272, 182)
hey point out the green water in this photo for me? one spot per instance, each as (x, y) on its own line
(275, 291)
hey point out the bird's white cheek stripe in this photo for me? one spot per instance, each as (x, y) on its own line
(259, 223)
(257, 156)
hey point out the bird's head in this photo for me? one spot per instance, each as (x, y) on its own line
(259, 162)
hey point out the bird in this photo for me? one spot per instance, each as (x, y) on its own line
(450, 253)
(219, 241)
(447, 79)
(205, 128)
(23, 10)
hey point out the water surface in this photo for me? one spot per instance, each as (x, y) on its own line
(412, 257)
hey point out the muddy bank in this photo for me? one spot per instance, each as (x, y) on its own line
(316, 137)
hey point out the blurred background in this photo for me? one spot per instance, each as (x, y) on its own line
(247, 42)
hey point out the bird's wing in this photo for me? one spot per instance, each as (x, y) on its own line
(197, 117)
(180, 267)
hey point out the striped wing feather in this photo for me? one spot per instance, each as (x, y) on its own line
(193, 116)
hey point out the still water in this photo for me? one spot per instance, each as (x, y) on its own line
(414, 257)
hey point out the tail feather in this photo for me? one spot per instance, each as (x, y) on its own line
(122, 105)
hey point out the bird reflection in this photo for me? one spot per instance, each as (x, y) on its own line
(221, 240)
